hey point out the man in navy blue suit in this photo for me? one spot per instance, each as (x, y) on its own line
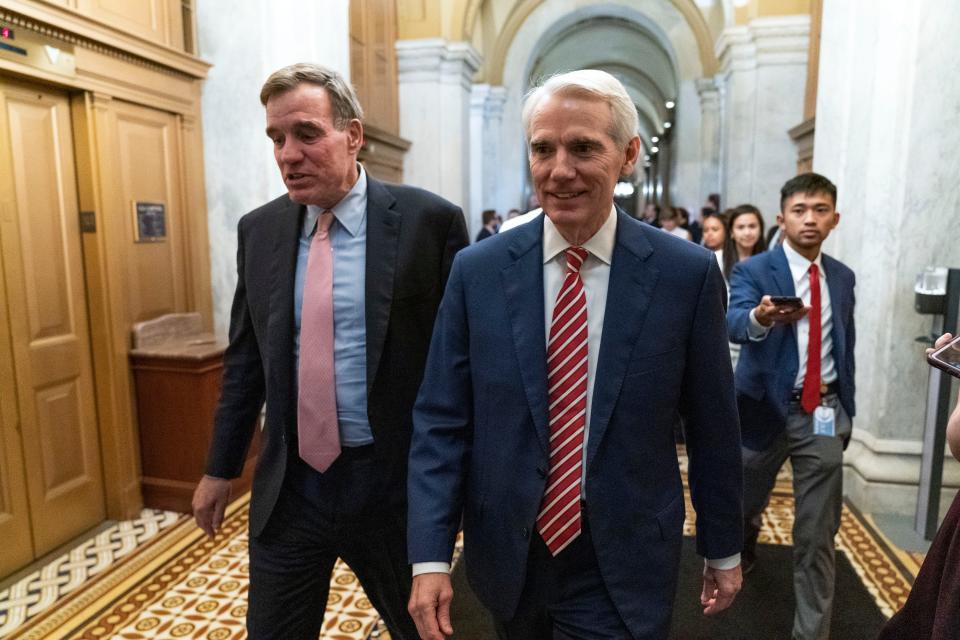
(563, 350)
(795, 386)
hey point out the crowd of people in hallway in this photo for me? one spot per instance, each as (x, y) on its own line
(525, 389)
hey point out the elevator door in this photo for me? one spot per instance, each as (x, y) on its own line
(47, 316)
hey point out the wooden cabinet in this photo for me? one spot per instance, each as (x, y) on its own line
(177, 391)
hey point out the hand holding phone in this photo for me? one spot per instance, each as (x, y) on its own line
(779, 310)
(946, 356)
(791, 302)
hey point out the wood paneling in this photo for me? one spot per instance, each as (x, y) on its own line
(15, 529)
(373, 61)
(148, 170)
(156, 20)
(48, 319)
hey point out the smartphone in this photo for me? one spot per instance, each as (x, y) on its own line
(792, 302)
(947, 357)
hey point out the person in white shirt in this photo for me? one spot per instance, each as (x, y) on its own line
(791, 309)
(670, 222)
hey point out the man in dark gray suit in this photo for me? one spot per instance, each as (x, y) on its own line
(338, 285)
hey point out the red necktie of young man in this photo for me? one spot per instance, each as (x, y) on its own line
(810, 396)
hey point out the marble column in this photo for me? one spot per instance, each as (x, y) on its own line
(763, 72)
(887, 133)
(239, 168)
(709, 91)
(435, 88)
(486, 116)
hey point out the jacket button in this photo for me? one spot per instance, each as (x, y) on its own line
(541, 472)
(524, 532)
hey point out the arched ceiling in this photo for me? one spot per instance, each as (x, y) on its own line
(511, 14)
(625, 49)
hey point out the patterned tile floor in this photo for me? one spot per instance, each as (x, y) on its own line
(183, 585)
(39, 590)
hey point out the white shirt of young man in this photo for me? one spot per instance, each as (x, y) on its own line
(800, 271)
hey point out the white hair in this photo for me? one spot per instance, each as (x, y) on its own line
(591, 84)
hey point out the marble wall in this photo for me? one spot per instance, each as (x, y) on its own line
(762, 78)
(435, 93)
(887, 132)
(258, 39)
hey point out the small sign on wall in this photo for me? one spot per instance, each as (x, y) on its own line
(149, 222)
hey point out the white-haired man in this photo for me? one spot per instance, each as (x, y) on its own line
(554, 439)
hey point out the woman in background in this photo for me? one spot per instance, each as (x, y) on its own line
(744, 236)
(744, 239)
(715, 233)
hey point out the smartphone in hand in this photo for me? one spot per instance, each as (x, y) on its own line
(792, 302)
(947, 358)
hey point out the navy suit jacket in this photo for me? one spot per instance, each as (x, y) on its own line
(412, 236)
(480, 444)
(767, 370)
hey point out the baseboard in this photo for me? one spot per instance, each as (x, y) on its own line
(881, 475)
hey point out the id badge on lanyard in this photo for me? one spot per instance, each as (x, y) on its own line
(824, 421)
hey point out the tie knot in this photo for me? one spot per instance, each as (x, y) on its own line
(575, 258)
(323, 223)
(814, 270)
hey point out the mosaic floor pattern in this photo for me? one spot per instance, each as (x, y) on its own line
(183, 585)
(39, 590)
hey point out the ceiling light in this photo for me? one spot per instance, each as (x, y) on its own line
(671, 104)
(655, 139)
(667, 125)
(654, 149)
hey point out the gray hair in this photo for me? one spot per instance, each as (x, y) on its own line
(343, 100)
(591, 84)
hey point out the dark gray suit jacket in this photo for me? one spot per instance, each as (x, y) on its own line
(412, 236)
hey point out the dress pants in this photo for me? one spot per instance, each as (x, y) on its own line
(319, 517)
(564, 597)
(817, 463)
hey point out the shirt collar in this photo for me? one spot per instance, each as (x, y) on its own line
(600, 244)
(799, 265)
(349, 212)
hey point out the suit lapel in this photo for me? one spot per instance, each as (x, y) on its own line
(383, 235)
(523, 287)
(629, 293)
(783, 283)
(838, 300)
(780, 268)
(283, 267)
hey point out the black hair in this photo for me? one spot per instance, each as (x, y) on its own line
(808, 183)
(730, 254)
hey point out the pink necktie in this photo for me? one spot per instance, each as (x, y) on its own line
(317, 427)
(559, 518)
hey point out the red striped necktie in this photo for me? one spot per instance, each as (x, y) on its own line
(559, 519)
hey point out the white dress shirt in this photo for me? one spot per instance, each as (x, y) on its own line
(800, 271)
(595, 274)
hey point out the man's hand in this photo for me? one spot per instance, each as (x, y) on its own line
(209, 502)
(429, 605)
(768, 313)
(720, 586)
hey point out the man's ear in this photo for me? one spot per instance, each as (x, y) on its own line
(355, 135)
(780, 220)
(632, 152)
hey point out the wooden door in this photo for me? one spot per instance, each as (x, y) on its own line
(46, 302)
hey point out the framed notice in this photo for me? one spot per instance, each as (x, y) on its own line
(149, 222)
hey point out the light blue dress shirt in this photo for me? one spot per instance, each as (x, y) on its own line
(348, 237)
